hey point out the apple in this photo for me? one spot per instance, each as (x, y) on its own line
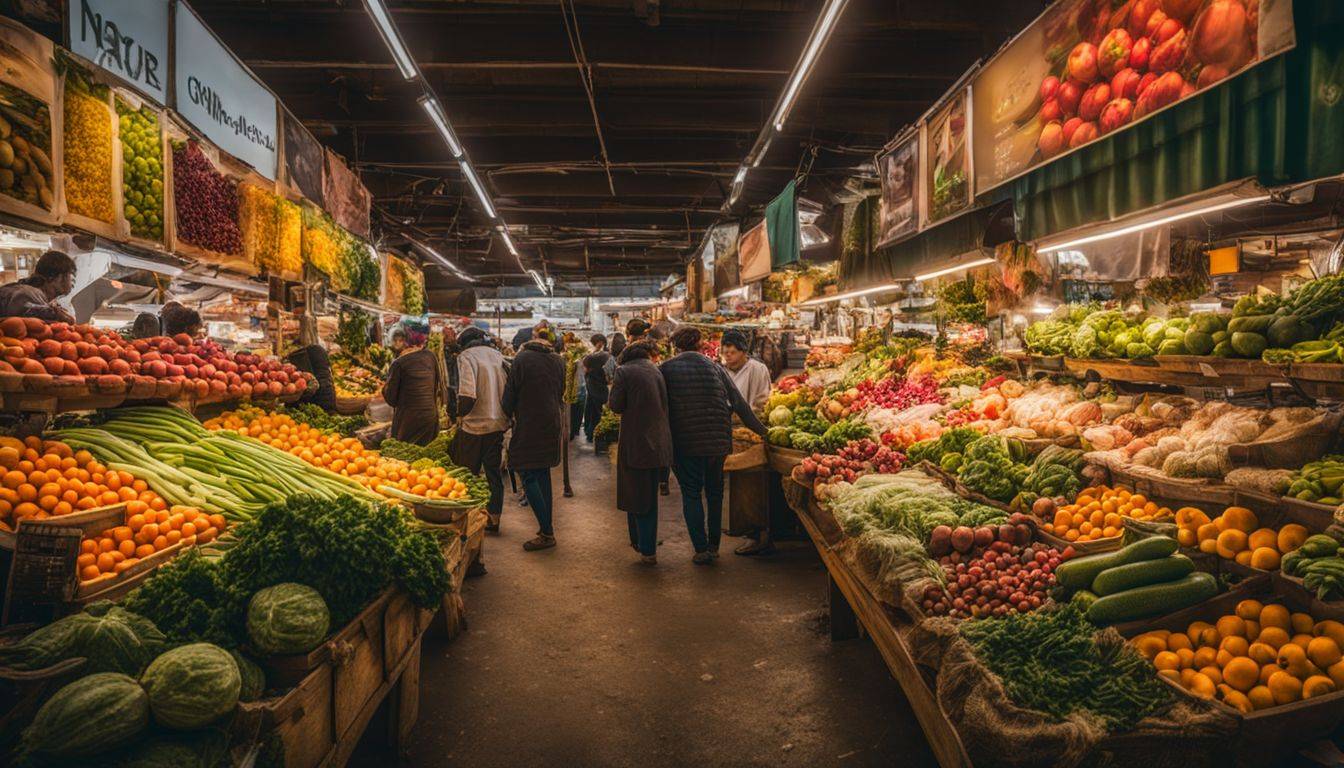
(1083, 134)
(1082, 63)
(1052, 139)
(1049, 87)
(1070, 93)
(1093, 101)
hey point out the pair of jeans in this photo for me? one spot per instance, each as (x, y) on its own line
(592, 411)
(482, 452)
(701, 475)
(643, 531)
(537, 486)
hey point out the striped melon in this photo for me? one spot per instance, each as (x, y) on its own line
(192, 686)
(89, 716)
(287, 618)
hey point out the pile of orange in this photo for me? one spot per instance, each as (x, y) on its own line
(150, 527)
(41, 479)
(342, 455)
(1259, 656)
(1236, 535)
(1098, 513)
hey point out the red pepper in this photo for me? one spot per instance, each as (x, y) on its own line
(994, 382)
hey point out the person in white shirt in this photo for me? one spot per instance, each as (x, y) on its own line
(479, 442)
(749, 374)
(752, 379)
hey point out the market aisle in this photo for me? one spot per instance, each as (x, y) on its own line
(580, 656)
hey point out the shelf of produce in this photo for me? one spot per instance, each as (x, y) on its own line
(66, 397)
(942, 736)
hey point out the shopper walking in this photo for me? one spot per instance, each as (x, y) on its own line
(310, 356)
(478, 443)
(534, 398)
(701, 402)
(645, 448)
(414, 389)
(598, 384)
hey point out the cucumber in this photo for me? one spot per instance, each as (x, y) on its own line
(1079, 572)
(1141, 574)
(1153, 600)
(1083, 599)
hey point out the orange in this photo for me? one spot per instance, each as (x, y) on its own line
(1274, 615)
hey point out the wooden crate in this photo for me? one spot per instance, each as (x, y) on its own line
(290, 669)
(783, 460)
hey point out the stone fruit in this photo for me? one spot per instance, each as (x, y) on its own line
(1052, 140)
(1113, 53)
(1116, 113)
(1093, 101)
(1082, 64)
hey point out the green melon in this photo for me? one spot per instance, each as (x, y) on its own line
(254, 680)
(109, 638)
(286, 619)
(195, 749)
(192, 686)
(89, 716)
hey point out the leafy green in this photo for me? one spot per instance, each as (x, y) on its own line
(318, 417)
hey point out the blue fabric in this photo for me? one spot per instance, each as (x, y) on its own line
(701, 475)
(537, 486)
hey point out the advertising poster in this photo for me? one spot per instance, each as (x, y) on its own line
(753, 254)
(726, 276)
(899, 210)
(130, 40)
(345, 197)
(1086, 68)
(947, 172)
(304, 158)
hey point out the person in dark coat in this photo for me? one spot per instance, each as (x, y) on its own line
(35, 296)
(645, 448)
(534, 398)
(701, 401)
(414, 389)
(311, 357)
(597, 382)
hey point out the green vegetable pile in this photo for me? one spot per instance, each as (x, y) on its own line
(319, 418)
(803, 429)
(842, 432)
(141, 170)
(109, 637)
(436, 452)
(608, 427)
(952, 441)
(345, 549)
(352, 332)
(1056, 662)
(963, 301)
(1320, 481)
(1319, 562)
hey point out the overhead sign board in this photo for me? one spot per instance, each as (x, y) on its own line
(128, 38)
(221, 98)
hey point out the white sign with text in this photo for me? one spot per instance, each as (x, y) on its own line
(128, 38)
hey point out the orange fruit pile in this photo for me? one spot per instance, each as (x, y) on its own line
(1236, 535)
(42, 479)
(1099, 512)
(342, 455)
(150, 526)
(1259, 656)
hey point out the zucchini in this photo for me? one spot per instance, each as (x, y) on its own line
(1079, 572)
(1153, 600)
(1083, 599)
(1141, 574)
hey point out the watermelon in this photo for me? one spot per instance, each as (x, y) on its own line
(197, 749)
(89, 716)
(109, 638)
(287, 618)
(192, 686)
(254, 680)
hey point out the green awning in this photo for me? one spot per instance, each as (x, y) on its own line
(1279, 122)
(972, 231)
(782, 227)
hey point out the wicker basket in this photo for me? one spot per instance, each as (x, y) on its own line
(352, 405)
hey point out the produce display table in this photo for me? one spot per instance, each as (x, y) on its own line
(1317, 380)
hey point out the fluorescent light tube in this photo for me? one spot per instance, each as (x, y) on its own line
(508, 241)
(440, 120)
(388, 29)
(850, 295)
(475, 182)
(1133, 228)
(800, 73)
(957, 268)
(741, 175)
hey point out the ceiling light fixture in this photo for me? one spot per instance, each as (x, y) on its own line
(508, 241)
(440, 120)
(476, 185)
(536, 278)
(955, 268)
(388, 29)
(850, 295)
(1135, 228)
(820, 34)
(434, 254)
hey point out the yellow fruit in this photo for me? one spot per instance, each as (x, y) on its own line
(1274, 637)
(1274, 615)
(1243, 558)
(1265, 558)
(1284, 687)
(1263, 654)
(1293, 660)
(1237, 646)
(1252, 630)
(1241, 673)
(1249, 609)
(1317, 685)
(1301, 623)
(1235, 699)
(1207, 532)
(1187, 677)
(1208, 546)
(1149, 646)
(1223, 658)
(1331, 629)
(1268, 671)
(1260, 697)
(1323, 652)
(1291, 537)
(1187, 658)
(1187, 538)
(1205, 656)
(1262, 537)
(1209, 638)
(1202, 686)
(1231, 626)
(1213, 673)
(1171, 674)
(1167, 660)
(1336, 673)
(1230, 542)
(1176, 641)
(1239, 519)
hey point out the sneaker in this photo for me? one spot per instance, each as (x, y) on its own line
(754, 547)
(542, 541)
(702, 558)
(648, 559)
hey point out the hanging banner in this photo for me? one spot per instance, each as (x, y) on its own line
(304, 158)
(128, 39)
(782, 227)
(726, 278)
(899, 211)
(220, 97)
(753, 254)
(344, 196)
(946, 161)
(1084, 69)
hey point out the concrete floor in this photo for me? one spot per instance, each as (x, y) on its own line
(581, 656)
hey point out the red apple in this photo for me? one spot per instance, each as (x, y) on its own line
(1125, 84)
(1082, 64)
(1210, 74)
(1167, 30)
(1083, 134)
(1169, 54)
(1093, 101)
(1070, 93)
(1050, 110)
(1049, 87)
(1139, 13)
(1052, 141)
(1222, 35)
(1181, 10)
(1140, 53)
(1070, 127)
(1116, 113)
(1113, 53)
(1155, 23)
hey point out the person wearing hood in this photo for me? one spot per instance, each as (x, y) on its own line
(479, 442)
(597, 383)
(644, 451)
(414, 389)
(534, 398)
(35, 296)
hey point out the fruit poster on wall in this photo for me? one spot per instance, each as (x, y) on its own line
(304, 158)
(899, 211)
(724, 259)
(345, 197)
(946, 160)
(753, 254)
(28, 166)
(1086, 68)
